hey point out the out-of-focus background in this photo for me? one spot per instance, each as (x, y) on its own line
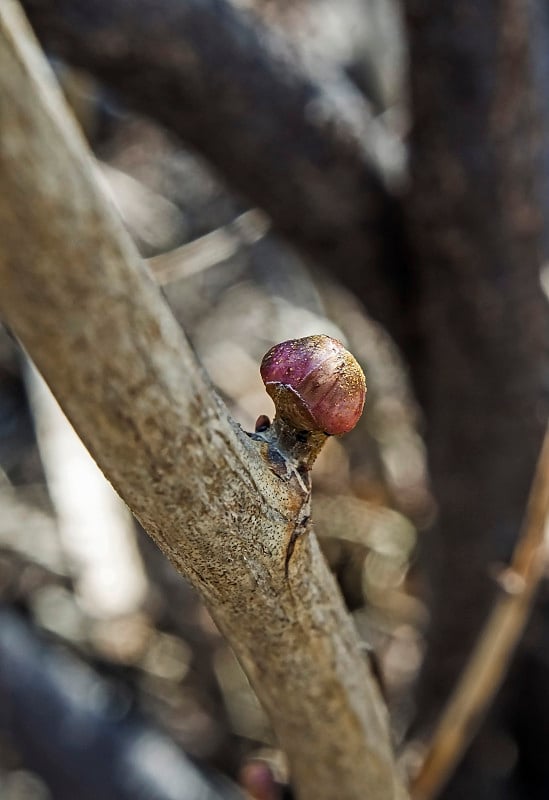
(113, 679)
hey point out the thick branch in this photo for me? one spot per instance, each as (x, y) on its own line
(299, 147)
(475, 223)
(74, 291)
(492, 654)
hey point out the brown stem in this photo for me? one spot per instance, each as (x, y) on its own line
(480, 370)
(298, 447)
(490, 659)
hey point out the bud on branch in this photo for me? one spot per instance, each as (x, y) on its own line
(318, 389)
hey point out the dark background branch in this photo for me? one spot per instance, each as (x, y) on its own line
(476, 228)
(296, 144)
(80, 734)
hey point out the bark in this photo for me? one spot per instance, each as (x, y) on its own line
(74, 291)
(476, 227)
(298, 144)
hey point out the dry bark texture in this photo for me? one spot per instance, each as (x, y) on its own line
(74, 291)
(296, 143)
(481, 366)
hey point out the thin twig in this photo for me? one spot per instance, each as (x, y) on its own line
(490, 659)
(209, 250)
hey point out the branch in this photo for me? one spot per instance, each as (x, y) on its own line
(476, 232)
(208, 250)
(48, 709)
(75, 292)
(91, 520)
(490, 659)
(301, 146)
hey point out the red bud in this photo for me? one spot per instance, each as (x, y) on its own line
(316, 384)
(257, 778)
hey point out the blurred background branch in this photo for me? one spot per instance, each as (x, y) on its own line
(489, 661)
(53, 703)
(299, 140)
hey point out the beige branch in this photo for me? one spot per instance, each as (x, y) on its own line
(490, 659)
(75, 292)
(95, 530)
(209, 250)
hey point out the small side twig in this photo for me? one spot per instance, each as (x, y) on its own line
(489, 661)
(209, 250)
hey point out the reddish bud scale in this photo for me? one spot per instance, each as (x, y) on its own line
(315, 383)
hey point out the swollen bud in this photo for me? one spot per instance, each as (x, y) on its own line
(315, 383)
